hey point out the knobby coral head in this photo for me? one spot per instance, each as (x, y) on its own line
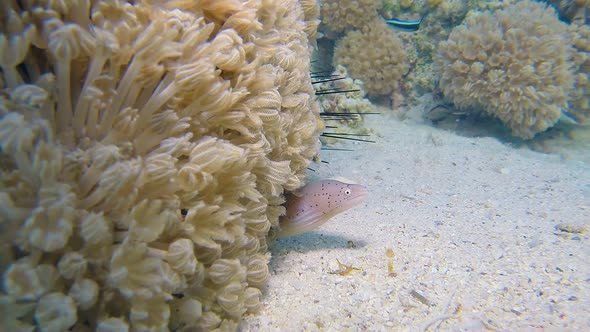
(514, 63)
(377, 56)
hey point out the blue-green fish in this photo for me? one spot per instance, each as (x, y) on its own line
(405, 25)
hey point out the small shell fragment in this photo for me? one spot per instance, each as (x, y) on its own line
(421, 298)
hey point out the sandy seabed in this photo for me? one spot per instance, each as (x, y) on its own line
(458, 234)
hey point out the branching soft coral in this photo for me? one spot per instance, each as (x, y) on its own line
(144, 150)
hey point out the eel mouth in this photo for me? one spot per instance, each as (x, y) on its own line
(360, 194)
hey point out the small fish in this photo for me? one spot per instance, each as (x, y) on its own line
(314, 204)
(405, 25)
(568, 118)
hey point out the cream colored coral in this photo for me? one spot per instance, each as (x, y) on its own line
(27, 280)
(346, 15)
(513, 63)
(11, 312)
(151, 314)
(55, 312)
(21, 280)
(181, 256)
(579, 106)
(144, 150)
(84, 292)
(134, 272)
(257, 274)
(350, 102)
(185, 312)
(112, 325)
(72, 265)
(375, 55)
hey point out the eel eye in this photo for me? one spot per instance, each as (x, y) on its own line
(347, 192)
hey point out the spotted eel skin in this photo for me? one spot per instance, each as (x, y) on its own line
(317, 202)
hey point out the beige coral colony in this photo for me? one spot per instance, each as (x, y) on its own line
(145, 147)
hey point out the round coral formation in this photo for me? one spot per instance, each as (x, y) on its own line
(345, 15)
(513, 63)
(580, 96)
(376, 56)
(144, 150)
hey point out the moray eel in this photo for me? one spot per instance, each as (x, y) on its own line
(314, 204)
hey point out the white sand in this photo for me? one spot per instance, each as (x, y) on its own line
(472, 224)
